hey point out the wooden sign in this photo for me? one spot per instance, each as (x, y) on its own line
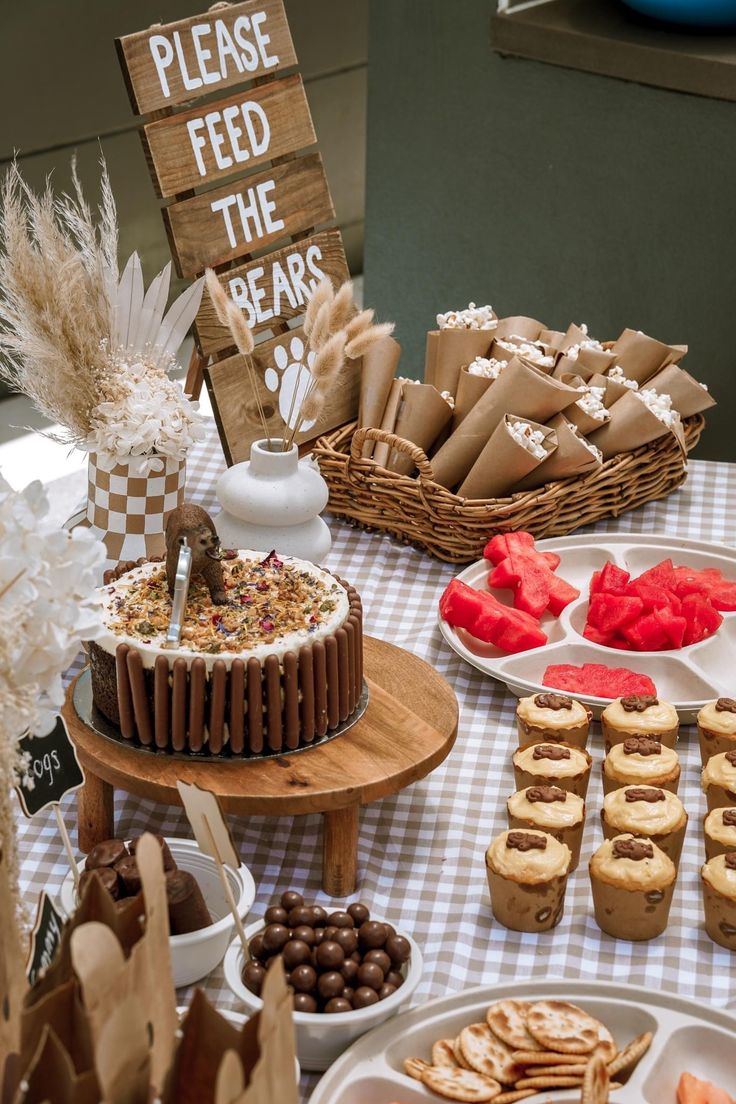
(247, 193)
(45, 938)
(53, 770)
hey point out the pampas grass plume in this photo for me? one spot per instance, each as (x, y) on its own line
(320, 331)
(218, 296)
(329, 360)
(343, 307)
(240, 329)
(364, 341)
(359, 323)
(322, 294)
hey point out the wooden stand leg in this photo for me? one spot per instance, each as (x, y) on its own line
(340, 851)
(195, 374)
(95, 812)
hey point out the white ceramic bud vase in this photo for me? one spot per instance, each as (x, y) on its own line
(274, 500)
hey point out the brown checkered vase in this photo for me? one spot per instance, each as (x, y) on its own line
(129, 511)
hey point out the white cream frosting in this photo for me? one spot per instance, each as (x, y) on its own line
(578, 763)
(533, 866)
(538, 716)
(720, 877)
(718, 831)
(642, 874)
(640, 768)
(549, 815)
(722, 721)
(661, 717)
(643, 817)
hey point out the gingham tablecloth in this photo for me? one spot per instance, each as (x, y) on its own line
(421, 852)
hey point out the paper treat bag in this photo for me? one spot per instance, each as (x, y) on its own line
(422, 416)
(641, 356)
(632, 425)
(469, 390)
(571, 457)
(520, 389)
(376, 378)
(448, 350)
(688, 396)
(503, 463)
(388, 422)
(518, 326)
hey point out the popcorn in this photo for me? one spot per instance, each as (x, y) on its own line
(526, 349)
(584, 441)
(488, 367)
(474, 318)
(449, 398)
(617, 374)
(573, 352)
(660, 405)
(530, 439)
(592, 402)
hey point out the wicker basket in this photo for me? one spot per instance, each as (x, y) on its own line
(420, 512)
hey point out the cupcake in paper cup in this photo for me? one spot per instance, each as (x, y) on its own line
(552, 717)
(553, 810)
(718, 780)
(632, 881)
(717, 728)
(639, 715)
(719, 831)
(648, 811)
(527, 876)
(718, 878)
(553, 765)
(641, 761)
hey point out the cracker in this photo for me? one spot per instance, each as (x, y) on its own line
(415, 1067)
(461, 1085)
(461, 1061)
(605, 1045)
(517, 1094)
(563, 1027)
(547, 1058)
(596, 1082)
(632, 1053)
(549, 1083)
(507, 1020)
(557, 1071)
(487, 1054)
(443, 1054)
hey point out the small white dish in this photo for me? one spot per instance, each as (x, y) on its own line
(195, 954)
(320, 1038)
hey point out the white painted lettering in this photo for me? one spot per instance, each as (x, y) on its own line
(190, 83)
(267, 206)
(295, 261)
(224, 206)
(249, 54)
(263, 40)
(259, 145)
(281, 287)
(198, 143)
(163, 54)
(257, 294)
(250, 212)
(234, 132)
(314, 254)
(226, 48)
(239, 293)
(216, 140)
(203, 54)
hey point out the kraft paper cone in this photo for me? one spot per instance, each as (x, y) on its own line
(589, 362)
(520, 389)
(448, 350)
(376, 377)
(614, 390)
(469, 390)
(503, 463)
(423, 414)
(574, 335)
(571, 457)
(518, 326)
(641, 356)
(554, 338)
(632, 424)
(390, 414)
(688, 396)
(580, 418)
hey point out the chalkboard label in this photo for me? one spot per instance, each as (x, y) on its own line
(53, 769)
(45, 938)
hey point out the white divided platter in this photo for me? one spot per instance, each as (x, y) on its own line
(688, 1037)
(687, 677)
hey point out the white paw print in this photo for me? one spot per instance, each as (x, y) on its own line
(291, 378)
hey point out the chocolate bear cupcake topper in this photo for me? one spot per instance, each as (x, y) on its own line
(525, 841)
(546, 794)
(550, 751)
(638, 703)
(642, 745)
(634, 849)
(729, 818)
(553, 701)
(726, 705)
(645, 793)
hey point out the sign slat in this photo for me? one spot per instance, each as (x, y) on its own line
(216, 140)
(178, 62)
(273, 288)
(249, 214)
(235, 408)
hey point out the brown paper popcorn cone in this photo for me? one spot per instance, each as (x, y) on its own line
(376, 377)
(469, 390)
(128, 512)
(632, 424)
(504, 463)
(571, 457)
(518, 326)
(449, 350)
(688, 396)
(641, 356)
(388, 421)
(423, 414)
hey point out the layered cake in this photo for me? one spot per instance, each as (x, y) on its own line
(270, 657)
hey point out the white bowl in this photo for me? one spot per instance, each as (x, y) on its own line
(320, 1038)
(197, 953)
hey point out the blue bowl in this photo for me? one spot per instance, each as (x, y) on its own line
(698, 13)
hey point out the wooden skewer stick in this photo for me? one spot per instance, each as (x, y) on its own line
(226, 887)
(67, 845)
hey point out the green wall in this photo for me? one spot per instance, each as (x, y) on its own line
(546, 191)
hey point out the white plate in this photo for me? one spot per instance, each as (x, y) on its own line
(688, 1037)
(688, 677)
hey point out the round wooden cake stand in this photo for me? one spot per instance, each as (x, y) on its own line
(407, 730)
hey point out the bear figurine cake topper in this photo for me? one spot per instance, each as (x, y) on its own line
(192, 547)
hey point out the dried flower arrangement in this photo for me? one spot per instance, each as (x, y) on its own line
(90, 348)
(335, 330)
(47, 581)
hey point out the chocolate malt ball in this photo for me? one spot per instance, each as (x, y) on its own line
(296, 953)
(299, 915)
(276, 915)
(304, 934)
(330, 955)
(364, 996)
(275, 938)
(380, 958)
(372, 935)
(398, 949)
(393, 977)
(359, 913)
(291, 899)
(319, 934)
(371, 975)
(386, 990)
(303, 1002)
(340, 920)
(253, 977)
(304, 979)
(349, 970)
(330, 985)
(347, 938)
(319, 916)
(331, 931)
(255, 947)
(336, 1005)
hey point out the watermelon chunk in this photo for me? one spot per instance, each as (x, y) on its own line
(596, 680)
(654, 597)
(529, 580)
(691, 1090)
(611, 579)
(610, 612)
(646, 634)
(661, 575)
(485, 618)
(503, 544)
(702, 619)
(723, 595)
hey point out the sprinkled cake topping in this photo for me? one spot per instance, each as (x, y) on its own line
(267, 600)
